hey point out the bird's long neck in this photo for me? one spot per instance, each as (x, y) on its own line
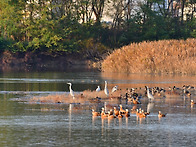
(148, 90)
(105, 84)
(70, 87)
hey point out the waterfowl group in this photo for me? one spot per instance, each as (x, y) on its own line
(134, 95)
(113, 113)
(141, 114)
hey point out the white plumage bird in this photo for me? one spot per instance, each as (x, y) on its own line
(150, 96)
(115, 88)
(70, 90)
(106, 89)
(98, 89)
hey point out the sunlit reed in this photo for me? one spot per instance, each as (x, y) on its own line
(164, 56)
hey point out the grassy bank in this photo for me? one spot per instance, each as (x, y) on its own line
(165, 56)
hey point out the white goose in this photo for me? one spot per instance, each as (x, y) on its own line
(115, 88)
(98, 89)
(70, 90)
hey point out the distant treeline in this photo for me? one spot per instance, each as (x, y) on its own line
(59, 26)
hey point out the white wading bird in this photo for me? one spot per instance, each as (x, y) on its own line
(98, 89)
(70, 90)
(106, 89)
(150, 96)
(115, 88)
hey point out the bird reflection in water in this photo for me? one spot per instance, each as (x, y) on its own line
(103, 127)
(70, 110)
(150, 106)
(94, 118)
(120, 128)
(127, 122)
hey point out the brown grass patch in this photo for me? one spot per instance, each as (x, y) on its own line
(165, 56)
(84, 97)
(58, 98)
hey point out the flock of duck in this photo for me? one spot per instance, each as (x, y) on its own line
(115, 113)
(133, 95)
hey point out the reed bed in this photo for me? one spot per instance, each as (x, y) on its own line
(82, 98)
(164, 56)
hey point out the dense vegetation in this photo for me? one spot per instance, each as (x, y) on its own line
(57, 26)
(165, 56)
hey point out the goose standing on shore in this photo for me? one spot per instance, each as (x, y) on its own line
(106, 89)
(115, 88)
(70, 90)
(98, 89)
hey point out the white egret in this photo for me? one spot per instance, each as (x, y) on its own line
(115, 88)
(106, 89)
(150, 96)
(98, 89)
(70, 90)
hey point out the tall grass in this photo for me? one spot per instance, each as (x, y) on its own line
(165, 56)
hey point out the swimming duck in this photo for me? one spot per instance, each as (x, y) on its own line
(103, 114)
(120, 115)
(127, 114)
(192, 102)
(102, 111)
(94, 113)
(116, 112)
(111, 112)
(147, 113)
(186, 92)
(136, 101)
(122, 110)
(142, 114)
(161, 115)
(110, 116)
(137, 112)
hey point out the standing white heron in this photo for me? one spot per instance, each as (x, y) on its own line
(106, 89)
(115, 88)
(150, 96)
(70, 90)
(98, 89)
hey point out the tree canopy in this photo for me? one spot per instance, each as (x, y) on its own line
(91, 26)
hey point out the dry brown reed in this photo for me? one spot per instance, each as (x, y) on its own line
(58, 98)
(82, 98)
(164, 56)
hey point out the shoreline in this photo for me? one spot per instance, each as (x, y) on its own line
(44, 62)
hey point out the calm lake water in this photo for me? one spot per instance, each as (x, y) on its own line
(24, 124)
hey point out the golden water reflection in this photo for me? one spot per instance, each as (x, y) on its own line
(141, 80)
